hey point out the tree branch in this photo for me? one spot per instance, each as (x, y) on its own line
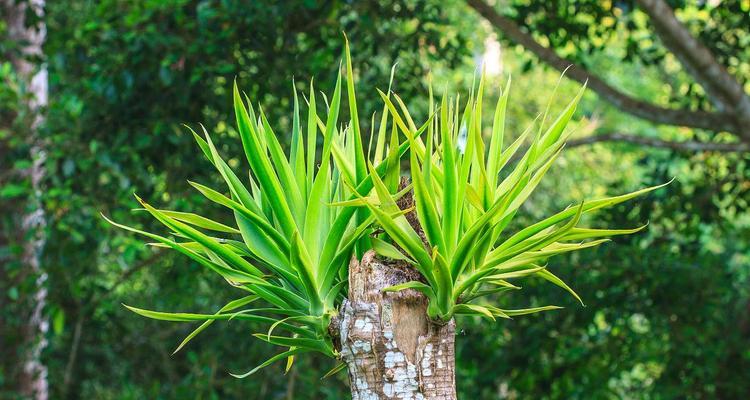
(713, 121)
(698, 61)
(692, 146)
(73, 355)
(692, 55)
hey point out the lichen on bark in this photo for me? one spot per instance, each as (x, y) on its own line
(392, 350)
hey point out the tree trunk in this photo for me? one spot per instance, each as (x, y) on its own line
(30, 378)
(391, 348)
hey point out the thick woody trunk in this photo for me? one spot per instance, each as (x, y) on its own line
(390, 347)
(30, 377)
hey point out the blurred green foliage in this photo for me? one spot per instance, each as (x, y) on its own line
(668, 311)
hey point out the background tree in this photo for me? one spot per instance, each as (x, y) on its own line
(704, 60)
(23, 336)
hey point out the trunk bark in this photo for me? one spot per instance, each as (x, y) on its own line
(31, 378)
(391, 348)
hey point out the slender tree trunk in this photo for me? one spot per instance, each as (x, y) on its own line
(390, 347)
(31, 378)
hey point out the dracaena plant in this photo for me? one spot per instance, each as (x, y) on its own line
(295, 227)
(299, 217)
(464, 253)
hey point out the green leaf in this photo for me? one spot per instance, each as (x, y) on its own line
(549, 276)
(284, 171)
(588, 206)
(296, 342)
(516, 274)
(297, 152)
(199, 221)
(426, 208)
(418, 286)
(387, 250)
(533, 310)
(473, 309)
(587, 233)
(556, 129)
(272, 360)
(204, 240)
(333, 371)
(229, 274)
(450, 184)
(257, 219)
(300, 261)
(316, 217)
(398, 227)
(236, 188)
(261, 166)
(312, 138)
(498, 133)
(231, 306)
(348, 240)
(359, 155)
(190, 317)
(444, 280)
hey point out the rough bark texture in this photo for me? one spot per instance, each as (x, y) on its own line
(390, 347)
(31, 378)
